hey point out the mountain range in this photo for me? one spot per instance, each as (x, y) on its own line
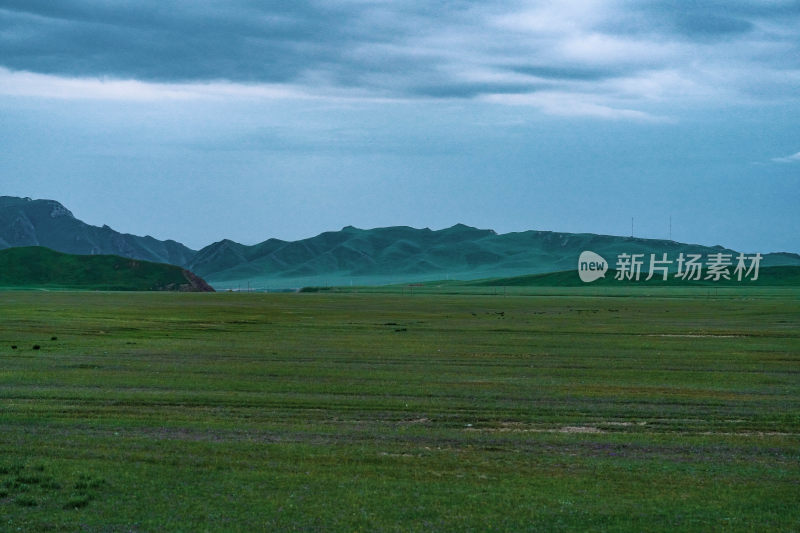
(399, 254)
(348, 256)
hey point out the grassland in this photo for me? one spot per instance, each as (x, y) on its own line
(396, 412)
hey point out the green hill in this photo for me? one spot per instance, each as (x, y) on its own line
(38, 267)
(775, 276)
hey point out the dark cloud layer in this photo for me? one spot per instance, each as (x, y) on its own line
(188, 41)
(402, 48)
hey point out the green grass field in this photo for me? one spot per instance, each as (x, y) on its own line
(553, 411)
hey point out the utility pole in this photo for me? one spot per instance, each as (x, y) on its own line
(631, 226)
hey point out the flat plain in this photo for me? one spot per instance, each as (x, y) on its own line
(559, 410)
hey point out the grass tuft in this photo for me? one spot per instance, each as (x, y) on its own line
(26, 501)
(78, 502)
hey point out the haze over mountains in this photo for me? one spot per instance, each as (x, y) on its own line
(351, 255)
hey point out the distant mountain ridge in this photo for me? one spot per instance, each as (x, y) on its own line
(349, 256)
(398, 250)
(401, 253)
(26, 222)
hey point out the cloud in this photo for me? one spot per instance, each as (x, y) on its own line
(616, 58)
(573, 105)
(55, 87)
(794, 158)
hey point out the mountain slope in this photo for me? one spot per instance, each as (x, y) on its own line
(402, 253)
(26, 222)
(36, 266)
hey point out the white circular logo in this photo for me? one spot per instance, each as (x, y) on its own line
(591, 266)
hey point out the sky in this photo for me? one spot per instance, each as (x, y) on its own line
(199, 120)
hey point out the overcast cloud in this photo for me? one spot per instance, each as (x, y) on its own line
(609, 58)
